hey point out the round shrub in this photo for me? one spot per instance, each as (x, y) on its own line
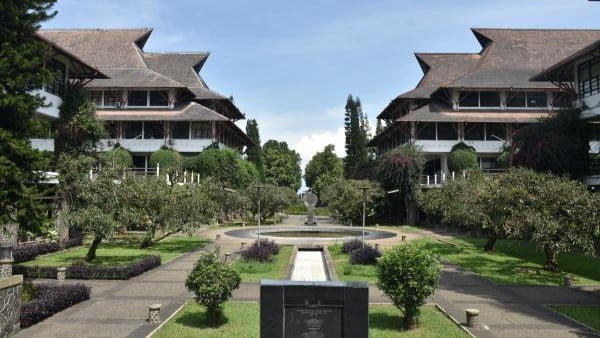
(263, 253)
(213, 281)
(408, 274)
(365, 256)
(118, 157)
(169, 160)
(351, 245)
(462, 159)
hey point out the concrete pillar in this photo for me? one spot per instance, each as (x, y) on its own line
(154, 313)
(568, 281)
(61, 273)
(472, 318)
(10, 293)
(444, 163)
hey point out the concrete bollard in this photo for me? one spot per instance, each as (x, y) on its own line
(243, 225)
(403, 238)
(154, 313)
(218, 237)
(472, 318)
(227, 257)
(568, 281)
(61, 273)
(243, 246)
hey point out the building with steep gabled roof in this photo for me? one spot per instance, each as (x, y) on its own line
(149, 100)
(481, 98)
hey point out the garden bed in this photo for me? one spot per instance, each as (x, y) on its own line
(587, 315)
(351, 272)
(30, 251)
(242, 320)
(253, 271)
(515, 262)
(44, 300)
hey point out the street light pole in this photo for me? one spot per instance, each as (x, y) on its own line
(258, 187)
(364, 215)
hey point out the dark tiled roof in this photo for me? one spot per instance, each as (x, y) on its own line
(191, 112)
(134, 77)
(181, 67)
(439, 113)
(564, 70)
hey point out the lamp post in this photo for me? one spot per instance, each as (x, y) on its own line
(258, 187)
(364, 215)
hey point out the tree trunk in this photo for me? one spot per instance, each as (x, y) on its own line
(491, 242)
(91, 254)
(411, 210)
(213, 316)
(409, 322)
(551, 259)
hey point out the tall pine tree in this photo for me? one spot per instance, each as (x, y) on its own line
(254, 153)
(356, 137)
(21, 69)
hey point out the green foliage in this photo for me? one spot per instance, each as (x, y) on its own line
(273, 199)
(345, 197)
(356, 132)
(324, 168)
(118, 158)
(78, 130)
(462, 158)
(281, 165)
(462, 146)
(213, 282)
(254, 153)
(408, 274)
(170, 161)
(559, 144)
(224, 166)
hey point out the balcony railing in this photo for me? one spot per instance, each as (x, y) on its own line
(438, 179)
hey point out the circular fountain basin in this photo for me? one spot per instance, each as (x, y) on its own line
(309, 234)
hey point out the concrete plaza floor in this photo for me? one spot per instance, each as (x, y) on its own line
(119, 308)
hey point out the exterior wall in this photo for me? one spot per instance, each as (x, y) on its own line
(431, 146)
(590, 101)
(51, 99)
(43, 144)
(10, 311)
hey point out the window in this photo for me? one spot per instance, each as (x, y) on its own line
(595, 132)
(589, 77)
(159, 98)
(562, 100)
(153, 130)
(95, 96)
(426, 131)
(113, 129)
(137, 98)
(58, 70)
(132, 129)
(139, 162)
(481, 99)
(526, 100)
(495, 131)
(112, 98)
(180, 130)
(201, 130)
(447, 131)
(488, 163)
(474, 132)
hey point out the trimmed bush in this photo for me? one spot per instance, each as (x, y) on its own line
(83, 270)
(169, 160)
(462, 159)
(263, 253)
(30, 251)
(118, 157)
(72, 242)
(50, 299)
(351, 245)
(213, 282)
(365, 256)
(462, 146)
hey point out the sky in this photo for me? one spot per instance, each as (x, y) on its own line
(292, 64)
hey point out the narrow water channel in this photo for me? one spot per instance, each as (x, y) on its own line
(309, 266)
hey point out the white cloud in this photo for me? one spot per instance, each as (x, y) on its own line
(309, 145)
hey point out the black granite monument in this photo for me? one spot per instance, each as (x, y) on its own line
(290, 309)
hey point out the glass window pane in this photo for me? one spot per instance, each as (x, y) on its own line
(202, 129)
(488, 163)
(57, 84)
(137, 98)
(584, 71)
(139, 162)
(536, 100)
(112, 98)
(426, 131)
(132, 130)
(596, 68)
(153, 130)
(561, 100)
(469, 99)
(595, 132)
(474, 132)
(489, 99)
(95, 96)
(113, 129)
(180, 130)
(495, 131)
(159, 98)
(447, 131)
(516, 100)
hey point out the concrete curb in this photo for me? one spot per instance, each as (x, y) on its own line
(549, 307)
(454, 320)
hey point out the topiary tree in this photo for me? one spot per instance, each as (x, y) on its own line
(169, 160)
(212, 281)
(462, 159)
(118, 158)
(408, 274)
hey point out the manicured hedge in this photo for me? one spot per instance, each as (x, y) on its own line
(28, 252)
(50, 299)
(351, 245)
(263, 253)
(365, 256)
(89, 271)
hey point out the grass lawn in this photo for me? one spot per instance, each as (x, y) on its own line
(351, 272)
(588, 315)
(255, 271)
(123, 252)
(514, 262)
(243, 320)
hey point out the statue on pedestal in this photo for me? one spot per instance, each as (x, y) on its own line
(310, 201)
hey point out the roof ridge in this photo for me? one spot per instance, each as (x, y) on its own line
(446, 53)
(539, 29)
(95, 29)
(176, 53)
